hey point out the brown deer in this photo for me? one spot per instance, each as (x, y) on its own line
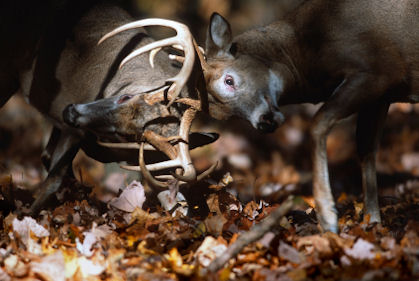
(355, 56)
(51, 54)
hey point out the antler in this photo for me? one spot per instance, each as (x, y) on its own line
(183, 38)
(179, 153)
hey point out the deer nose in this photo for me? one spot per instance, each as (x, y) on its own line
(267, 123)
(70, 115)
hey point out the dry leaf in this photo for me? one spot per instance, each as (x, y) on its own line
(4, 276)
(288, 253)
(25, 228)
(132, 197)
(315, 244)
(168, 203)
(89, 241)
(51, 267)
(214, 224)
(209, 250)
(361, 250)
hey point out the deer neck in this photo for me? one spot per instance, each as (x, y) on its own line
(277, 43)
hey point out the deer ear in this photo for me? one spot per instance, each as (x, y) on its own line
(219, 37)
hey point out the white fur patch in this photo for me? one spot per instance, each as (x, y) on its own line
(221, 88)
(261, 109)
(276, 86)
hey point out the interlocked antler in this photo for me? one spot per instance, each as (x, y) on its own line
(179, 153)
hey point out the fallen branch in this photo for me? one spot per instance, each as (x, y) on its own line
(255, 233)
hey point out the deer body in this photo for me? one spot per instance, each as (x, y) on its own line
(356, 56)
(60, 63)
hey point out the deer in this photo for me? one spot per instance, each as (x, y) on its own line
(354, 56)
(61, 64)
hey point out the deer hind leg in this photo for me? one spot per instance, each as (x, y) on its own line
(348, 98)
(369, 129)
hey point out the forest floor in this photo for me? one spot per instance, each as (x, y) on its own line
(104, 226)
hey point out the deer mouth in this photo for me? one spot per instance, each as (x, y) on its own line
(96, 123)
(71, 116)
(269, 122)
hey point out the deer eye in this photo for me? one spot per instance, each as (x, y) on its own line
(229, 81)
(124, 98)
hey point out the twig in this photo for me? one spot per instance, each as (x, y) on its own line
(255, 233)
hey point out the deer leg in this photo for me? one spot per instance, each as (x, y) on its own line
(49, 149)
(353, 93)
(368, 132)
(61, 160)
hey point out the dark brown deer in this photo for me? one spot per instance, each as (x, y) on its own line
(51, 54)
(356, 56)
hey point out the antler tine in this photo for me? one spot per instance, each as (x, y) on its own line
(201, 176)
(129, 145)
(156, 166)
(182, 38)
(136, 24)
(149, 47)
(179, 157)
(207, 172)
(201, 56)
(146, 174)
(189, 172)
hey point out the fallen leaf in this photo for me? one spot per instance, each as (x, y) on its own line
(251, 210)
(214, 224)
(89, 268)
(132, 197)
(27, 225)
(288, 253)
(15, 266)
(209, 250)
(51, 267)
(4, 276)
(361, 250)
(315, 244)
(89, 241)
(25, 228)
(168, 203)
(176, 262)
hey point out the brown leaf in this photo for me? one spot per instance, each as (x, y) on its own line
(288, 253)
(315, 244)
(214, 224)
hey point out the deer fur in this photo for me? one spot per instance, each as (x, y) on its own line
(355, 56)
(51, 55)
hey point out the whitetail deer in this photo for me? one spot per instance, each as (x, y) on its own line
(53, 57)
(356, 56)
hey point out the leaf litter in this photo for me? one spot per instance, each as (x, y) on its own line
(134, 237)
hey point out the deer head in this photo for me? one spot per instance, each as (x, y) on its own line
(241, 84)
(159, 120)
